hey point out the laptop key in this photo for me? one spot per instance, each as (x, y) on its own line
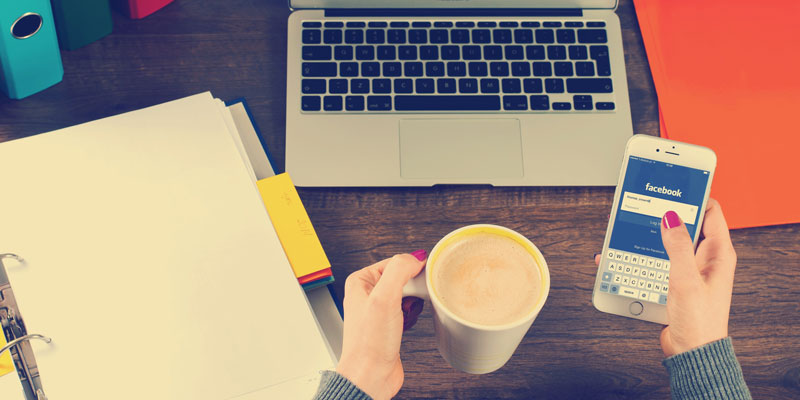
(501, 35)
(562, 68)
(535, 52)
(465, 24)
(530, 24)
(413, 68)
(487, 24)
(523, 36)
(605, 105)
(532, 85)
(554, 85)
(514, 53)
(573, 24)
(381, 86)
(354, 36)
(498, 68)
(343, 52)
(359, 86)
(375, 36)
(370, 69)
(332, 103)
(584, 68)
(450, 53)
(417, 36)
(446, 85)
(589, 85)
(403, 86)
(379, 103)
(407, 53)
(490, 85)
(557, 52)
(492, 53)
(377, 24)
(396, 36)
(600, 55)
(592, 36)
(428, 52)
(508, 24)
(542, 69)
(337, 86)
(313, 86)
(565, 36)
(392, 69)
(459, 36)
(365, 53)
(312, 24)
(478, 68)
(520, 68)
(399, 24)
(582, 102)
(424, 85)
(471, 52)
(595, 24)
(468, 85)
(456, 68)
(552, 24)
(578, 52)
(515, 103)
(312, 36)
(355, 24)
(310, 103)
(332, 36)
(316, 52)
(540, 102)
(439, 36)
(434, 68)
(443, 24)
(544, 36)
(481, 36)
(511, 85)
(562, 106)
(334, 24)
(386, 52)
(319, 69)
(447, 103)
(421, 24)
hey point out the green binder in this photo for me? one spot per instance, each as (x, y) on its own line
(80, 22)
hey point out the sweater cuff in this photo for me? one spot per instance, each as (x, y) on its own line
(335, 386)
(710, 371)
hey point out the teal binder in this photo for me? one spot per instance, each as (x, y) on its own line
(80, 22)
(29, 57)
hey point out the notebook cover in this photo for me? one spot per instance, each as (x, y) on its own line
(719, 84)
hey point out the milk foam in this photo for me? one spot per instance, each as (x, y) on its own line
(487, 279)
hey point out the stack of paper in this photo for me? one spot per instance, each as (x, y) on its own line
(152, 263)
(726, 76)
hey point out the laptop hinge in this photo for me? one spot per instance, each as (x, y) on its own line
(451, 12)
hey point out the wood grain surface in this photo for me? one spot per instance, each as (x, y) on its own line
(237, 48)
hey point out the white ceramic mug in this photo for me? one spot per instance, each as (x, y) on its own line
(465, 345)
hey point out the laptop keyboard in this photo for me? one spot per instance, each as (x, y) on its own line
(452, 66)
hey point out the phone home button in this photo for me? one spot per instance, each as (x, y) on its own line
(636, 308)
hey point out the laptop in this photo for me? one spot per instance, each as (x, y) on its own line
(427, 92)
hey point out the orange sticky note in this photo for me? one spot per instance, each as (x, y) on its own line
(291, 222)
(726, 76)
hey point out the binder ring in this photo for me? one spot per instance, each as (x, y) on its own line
(11, 255)
(21, 339)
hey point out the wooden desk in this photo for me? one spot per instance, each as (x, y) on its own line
(237, 48)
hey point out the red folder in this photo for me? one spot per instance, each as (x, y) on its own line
(727, 77)
(138, 9)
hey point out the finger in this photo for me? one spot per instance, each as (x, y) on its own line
(680, 250)
(597, 259)
(720, 257)
(398, 271)
(360, 284)
(714, 224)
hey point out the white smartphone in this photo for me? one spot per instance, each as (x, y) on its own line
(658, 175)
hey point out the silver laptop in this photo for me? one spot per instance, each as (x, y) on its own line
(425, 92)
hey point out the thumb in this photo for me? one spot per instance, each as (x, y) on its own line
(680, 248)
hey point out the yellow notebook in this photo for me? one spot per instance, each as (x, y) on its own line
(5, 360)
(291, 222)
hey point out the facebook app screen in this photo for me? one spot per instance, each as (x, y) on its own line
(639, 265)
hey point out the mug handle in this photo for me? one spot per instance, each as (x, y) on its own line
(417, 287)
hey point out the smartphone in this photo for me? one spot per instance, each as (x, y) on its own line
(658, 175)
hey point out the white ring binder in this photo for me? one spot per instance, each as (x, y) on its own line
(18, 338)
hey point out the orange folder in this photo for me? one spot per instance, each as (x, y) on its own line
(727, 74)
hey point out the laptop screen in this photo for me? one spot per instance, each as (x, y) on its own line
(597, 4)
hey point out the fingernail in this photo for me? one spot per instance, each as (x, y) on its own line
(671, 220)
(420, 254)
(595, 255)
(412, 308)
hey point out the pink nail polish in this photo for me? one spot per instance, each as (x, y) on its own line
(420, 254)
(671, 220)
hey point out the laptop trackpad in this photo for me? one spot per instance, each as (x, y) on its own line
(460, 148)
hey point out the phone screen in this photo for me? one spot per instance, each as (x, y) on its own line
(638, 265)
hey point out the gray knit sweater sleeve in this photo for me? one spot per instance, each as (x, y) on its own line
(333, 386)
(710, 371)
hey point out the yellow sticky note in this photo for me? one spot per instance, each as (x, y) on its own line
(6, 365)
(291, 222)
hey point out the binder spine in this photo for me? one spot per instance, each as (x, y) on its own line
(80, 22)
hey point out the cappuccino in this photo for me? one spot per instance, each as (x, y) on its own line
(487, 279)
